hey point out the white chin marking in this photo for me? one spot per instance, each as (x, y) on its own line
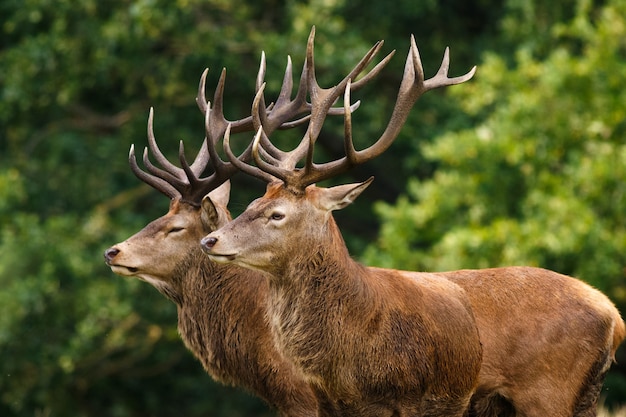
(221, 259)
(123, 270)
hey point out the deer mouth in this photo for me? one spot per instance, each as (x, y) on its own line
(220, 257)
(123, 270)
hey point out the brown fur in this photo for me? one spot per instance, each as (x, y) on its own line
(548, 340)
(221, 310)
(372, 342)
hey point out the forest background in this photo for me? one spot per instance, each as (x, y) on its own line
(523, 165)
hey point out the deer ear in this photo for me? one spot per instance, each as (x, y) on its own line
(221, 194)
(214, 213)
(336, 198)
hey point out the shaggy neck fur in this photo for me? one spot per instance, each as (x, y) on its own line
(222, 320)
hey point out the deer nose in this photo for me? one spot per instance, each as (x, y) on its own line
(110, 253)
(208, 242)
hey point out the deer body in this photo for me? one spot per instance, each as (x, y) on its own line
(548, 341)
(221, 308)
(372, 342)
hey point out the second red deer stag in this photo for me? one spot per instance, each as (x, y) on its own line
(372, 342)
(385, 342)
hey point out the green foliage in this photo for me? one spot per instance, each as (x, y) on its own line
(524, 164)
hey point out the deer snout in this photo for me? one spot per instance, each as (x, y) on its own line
(110, 253)
(208, 242)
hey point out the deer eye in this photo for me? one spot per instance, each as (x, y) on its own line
(175, 230)
(276, 216)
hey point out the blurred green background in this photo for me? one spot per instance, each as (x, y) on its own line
(525, 164)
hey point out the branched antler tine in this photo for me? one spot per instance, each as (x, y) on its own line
(324, 99)
(309, 63)
(333, 111)
(273, 170)
(348, 144)
(217, 120)
(285, 108)
(364, 62)
(199, 187)
(334, 93)
(311, 170)
(214, 158)
(411, 88)
(261, 120)
(201, 100)
(260, 77)
(277, 158)
(155, 182)
(239, 164)
(191, 176)
(170, 178)
(154, 148)
(201, 161)
(259, 115)
(373, 73)
(287, 87)
(303, 88)
(242, 125)
(314, 172)
(441, 78)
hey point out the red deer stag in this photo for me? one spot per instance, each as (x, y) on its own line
(372, 342)
(221, 309)
(547, 339)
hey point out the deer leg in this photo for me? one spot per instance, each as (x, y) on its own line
(587, 402)
(490, 405)
(549, 397)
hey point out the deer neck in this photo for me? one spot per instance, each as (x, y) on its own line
(205, 286)
(320, 288)
(216, 301)
(320, 260)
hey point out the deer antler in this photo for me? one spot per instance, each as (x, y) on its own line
(413, 85)
(276, 163)
(185, 182)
